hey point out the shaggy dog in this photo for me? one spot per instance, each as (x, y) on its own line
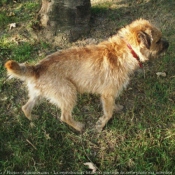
(103, 69)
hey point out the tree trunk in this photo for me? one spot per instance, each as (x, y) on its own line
(64, 20)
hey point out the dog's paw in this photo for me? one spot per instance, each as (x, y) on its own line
(98, 128)
(80, 127)
(118, 108)
(35, 117)
(32, 118)
(99, 125)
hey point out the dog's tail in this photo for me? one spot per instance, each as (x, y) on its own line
(20, 71)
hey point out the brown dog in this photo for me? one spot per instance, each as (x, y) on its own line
(103, 69)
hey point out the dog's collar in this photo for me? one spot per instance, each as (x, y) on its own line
(135, 55)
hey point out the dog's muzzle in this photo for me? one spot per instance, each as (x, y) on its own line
(165, 44)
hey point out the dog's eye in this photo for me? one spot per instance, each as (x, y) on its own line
(157, 42)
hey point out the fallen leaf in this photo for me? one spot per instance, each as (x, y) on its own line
(91, 166)
(47, 136)
(11, 14)
(163, 74)
(32, 125)
(12, 25)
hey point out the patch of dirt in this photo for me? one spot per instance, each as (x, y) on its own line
(107, 17)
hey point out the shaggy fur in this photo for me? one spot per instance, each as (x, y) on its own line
(103, 69)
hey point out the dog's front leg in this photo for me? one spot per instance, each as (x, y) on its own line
(108, 102)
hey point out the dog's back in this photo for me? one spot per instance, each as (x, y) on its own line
(90, 69)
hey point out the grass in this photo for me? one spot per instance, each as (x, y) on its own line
(139, 139)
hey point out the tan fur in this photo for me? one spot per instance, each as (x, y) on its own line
(103, 69)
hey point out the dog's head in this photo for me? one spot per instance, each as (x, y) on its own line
(145, 39)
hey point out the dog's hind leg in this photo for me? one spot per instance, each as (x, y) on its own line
(27, 108)
(66, 102)
(108, 102)
(33, 99)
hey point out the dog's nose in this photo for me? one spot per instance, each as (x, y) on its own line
(165, 44)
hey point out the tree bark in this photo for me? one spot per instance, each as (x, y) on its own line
(64, 20)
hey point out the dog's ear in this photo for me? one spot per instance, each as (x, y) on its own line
(145, 39)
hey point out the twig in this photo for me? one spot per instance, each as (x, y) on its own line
(31, 144)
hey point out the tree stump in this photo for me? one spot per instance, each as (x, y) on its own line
(64, 20)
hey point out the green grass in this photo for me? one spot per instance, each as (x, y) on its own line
(17, 13)
(100, 8)
(3, 19)
(23, 52)
(141, 138)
